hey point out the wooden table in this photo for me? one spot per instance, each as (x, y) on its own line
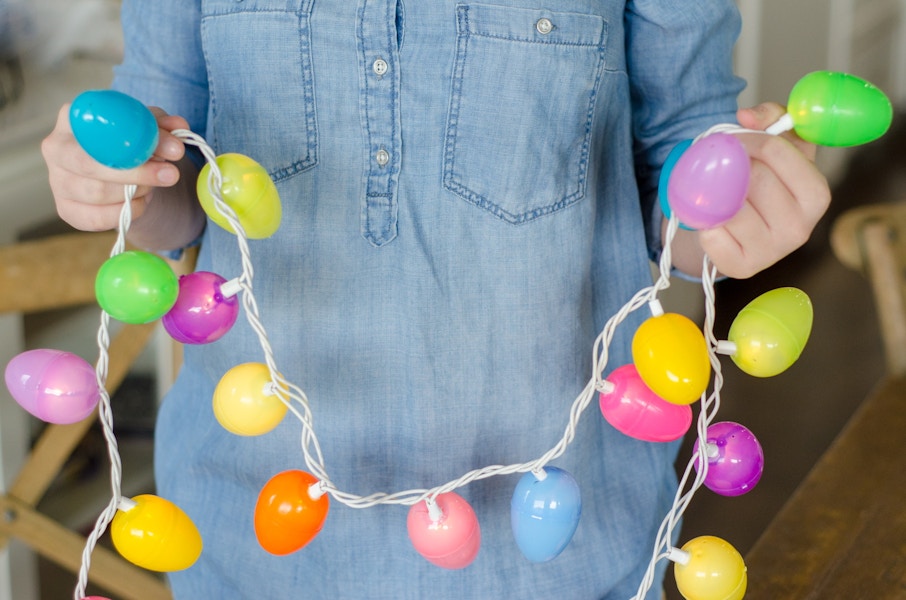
(843, 532)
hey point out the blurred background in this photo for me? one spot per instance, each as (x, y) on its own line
(50, 50)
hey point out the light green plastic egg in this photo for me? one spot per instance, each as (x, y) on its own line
(771, 331)
(248, 190)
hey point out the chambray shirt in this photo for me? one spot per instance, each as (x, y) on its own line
(467, 198)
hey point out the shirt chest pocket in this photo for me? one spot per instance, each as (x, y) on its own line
(260, 80)
(521, 109)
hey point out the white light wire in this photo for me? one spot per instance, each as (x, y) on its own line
(297, 402)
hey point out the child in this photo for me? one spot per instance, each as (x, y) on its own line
(468, 195)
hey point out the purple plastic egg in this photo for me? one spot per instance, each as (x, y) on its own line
(709, 181)
(55, 386)
(632, 408)
(735, 459)
(201, 314)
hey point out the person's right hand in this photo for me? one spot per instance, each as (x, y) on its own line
(88, 195)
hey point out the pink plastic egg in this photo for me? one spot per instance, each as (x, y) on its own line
(201, 314)
(632, 408)
(709, 182)
(55, 386)
(450, 541)
(735, 459)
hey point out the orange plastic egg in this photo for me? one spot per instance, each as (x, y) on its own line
(671, 356)
(155, 534)
(289, 514)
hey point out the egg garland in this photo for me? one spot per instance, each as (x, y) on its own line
(674, 360)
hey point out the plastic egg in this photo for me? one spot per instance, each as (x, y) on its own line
(55, 386)
(671, 356)
(632, 408)
(664, 179)
(156, 535)
(736, 461)
(451, 541)
(287, 516)
(709, 182)
(771, 331)
(544, 513)
(136, 287)
(715, 571)
(248, 190)
(201, 314)
(113, 128)
(837, 109)
(243, 403)
(95, 598)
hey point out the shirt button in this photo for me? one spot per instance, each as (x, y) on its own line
(379, 66)
(544, 26)
(382, 157)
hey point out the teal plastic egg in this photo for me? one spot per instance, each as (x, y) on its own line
(114, 128)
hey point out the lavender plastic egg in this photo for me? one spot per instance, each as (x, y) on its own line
(738, 460)
(55, 386)
(201, 314)
(709, 181)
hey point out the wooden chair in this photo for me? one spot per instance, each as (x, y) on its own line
(70, 262)
(872, 239)
(840, 533)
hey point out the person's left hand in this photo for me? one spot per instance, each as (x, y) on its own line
(787, 197)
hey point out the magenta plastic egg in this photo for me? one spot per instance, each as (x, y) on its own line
(544, 513)
(452, 541)
(709, 182)
(55, 386)
(632, 408)
(715, 571)
(771, 331)
(671, 356)
(735, 460)
(201, 314)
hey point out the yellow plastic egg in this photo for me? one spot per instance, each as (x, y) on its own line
(671, 356)
(248, 190)
(155, 534)
(715, 571)
(243, 403)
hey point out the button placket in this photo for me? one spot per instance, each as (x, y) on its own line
(378, 56)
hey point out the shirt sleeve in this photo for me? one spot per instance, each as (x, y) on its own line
(163, 62)
(680, 63)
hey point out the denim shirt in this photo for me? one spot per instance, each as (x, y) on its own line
(467, 198)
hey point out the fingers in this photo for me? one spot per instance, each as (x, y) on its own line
(89, 195)
(786, 198)
(764, 115)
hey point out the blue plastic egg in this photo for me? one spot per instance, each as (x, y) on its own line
(664, 180)
(544, 513)
(113, 128)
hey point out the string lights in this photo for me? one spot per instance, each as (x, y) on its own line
(703, 184)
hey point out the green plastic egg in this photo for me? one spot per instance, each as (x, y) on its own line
(248, 190)
(136, 287)
(837, 109)
(771, 331)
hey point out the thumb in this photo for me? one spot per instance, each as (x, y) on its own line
(760, 117)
